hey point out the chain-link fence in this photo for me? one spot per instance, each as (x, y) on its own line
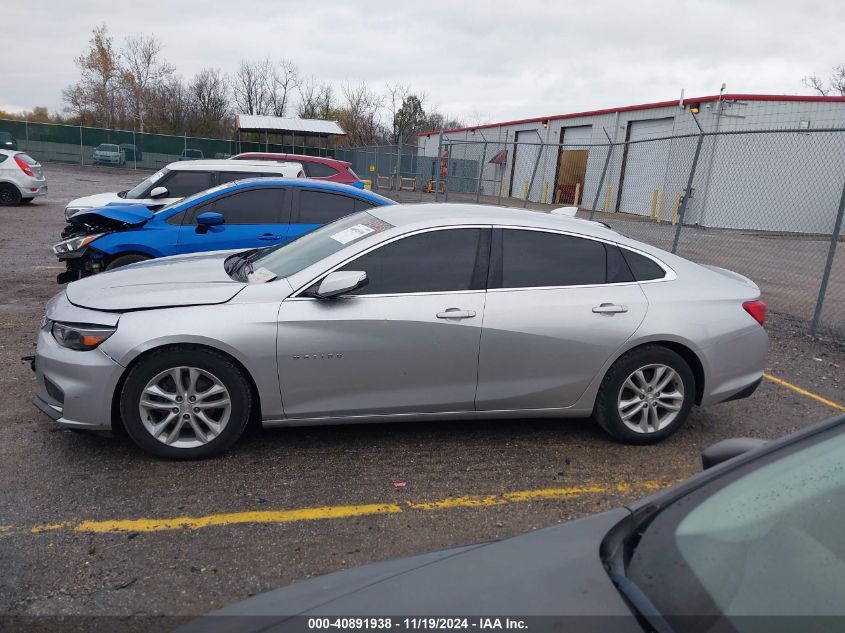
(765, 203)
(52, 142)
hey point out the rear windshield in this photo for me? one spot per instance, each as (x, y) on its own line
(29, 160)
(108, 148)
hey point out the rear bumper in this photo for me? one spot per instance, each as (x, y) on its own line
(735, 366)
(32, 187)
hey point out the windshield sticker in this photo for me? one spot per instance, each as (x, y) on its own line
(157, 176)
(352, 233)
(261, 276)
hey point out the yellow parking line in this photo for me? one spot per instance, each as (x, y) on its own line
(329, 512)
(804, 392)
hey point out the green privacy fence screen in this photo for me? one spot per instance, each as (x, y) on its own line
(54, 142)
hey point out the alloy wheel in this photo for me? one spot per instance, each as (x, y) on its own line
(185, 407)
(650, 398)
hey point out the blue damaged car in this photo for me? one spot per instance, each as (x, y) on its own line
(243, 214)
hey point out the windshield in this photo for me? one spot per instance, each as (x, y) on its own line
(108, 148)
(770, 542)
(290, 258)
(140, 190)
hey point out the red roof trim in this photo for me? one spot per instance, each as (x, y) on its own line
(644, 106)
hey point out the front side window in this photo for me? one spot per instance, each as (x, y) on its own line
(766, 540)
(533, 259)
(247, 206)
(186, 183)
(322, 207)
(436, 261)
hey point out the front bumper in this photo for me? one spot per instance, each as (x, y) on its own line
(74, 388)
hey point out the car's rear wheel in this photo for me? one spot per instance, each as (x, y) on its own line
(185, 403)
(9, 195)
(645, 396)
(125, 260)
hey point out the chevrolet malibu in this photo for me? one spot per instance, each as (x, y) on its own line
(413, 312)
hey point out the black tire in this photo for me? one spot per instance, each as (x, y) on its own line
(606, 411)
(221, 366)
(9, 195)
(125, 260)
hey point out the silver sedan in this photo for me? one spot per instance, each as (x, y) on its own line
(413, 312)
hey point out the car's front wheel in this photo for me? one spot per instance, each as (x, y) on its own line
(185, 403)
(645, 396)
(125, 260)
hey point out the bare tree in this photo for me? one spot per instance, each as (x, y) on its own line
(168, 106)
(359, 114)
(395, 96)
(144, 67)
(280, 82)
(249, 87)
(96, 97)
(316, 100)
(835, 85)
(209, 99)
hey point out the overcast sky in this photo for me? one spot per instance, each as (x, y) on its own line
(481, 61)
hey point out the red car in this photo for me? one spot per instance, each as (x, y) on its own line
(314, 166)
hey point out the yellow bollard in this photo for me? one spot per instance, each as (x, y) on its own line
(502, 189)
(577, 193)
(525, 190)
(545, 191)
(652, 212)
(677, 209)
(607, 199)
(661, 206)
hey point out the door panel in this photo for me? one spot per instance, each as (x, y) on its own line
(541, 347)
(253, 218)
(379, 354)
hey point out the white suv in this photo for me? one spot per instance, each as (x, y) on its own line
(21, 178)
(185, 178)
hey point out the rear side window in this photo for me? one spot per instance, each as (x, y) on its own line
(186, 183)
(642, 267)
(249, 206)
(3, 157)
(437, 261)
(319, 170)
(322, 207)
(533, 259)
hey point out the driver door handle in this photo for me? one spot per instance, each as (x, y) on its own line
(456, 313)
(269, 237)
(609, 308)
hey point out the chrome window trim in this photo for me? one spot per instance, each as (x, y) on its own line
(395, 238)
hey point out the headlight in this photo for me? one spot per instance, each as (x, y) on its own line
(69, 211)
(80, 336)
(75, 243)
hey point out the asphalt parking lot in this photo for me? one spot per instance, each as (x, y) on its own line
(91, 526)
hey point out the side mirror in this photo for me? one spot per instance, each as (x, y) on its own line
(728, 449)
(208, 219)
(341, 282)
(159, 192)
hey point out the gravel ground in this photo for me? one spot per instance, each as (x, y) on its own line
(54, 476)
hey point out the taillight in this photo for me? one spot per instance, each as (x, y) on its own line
(756, 309)
(24, 167)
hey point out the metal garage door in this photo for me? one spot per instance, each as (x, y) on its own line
(645, 164)
(524, 158)
(579, 135)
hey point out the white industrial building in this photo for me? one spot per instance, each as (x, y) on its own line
(788, 180)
